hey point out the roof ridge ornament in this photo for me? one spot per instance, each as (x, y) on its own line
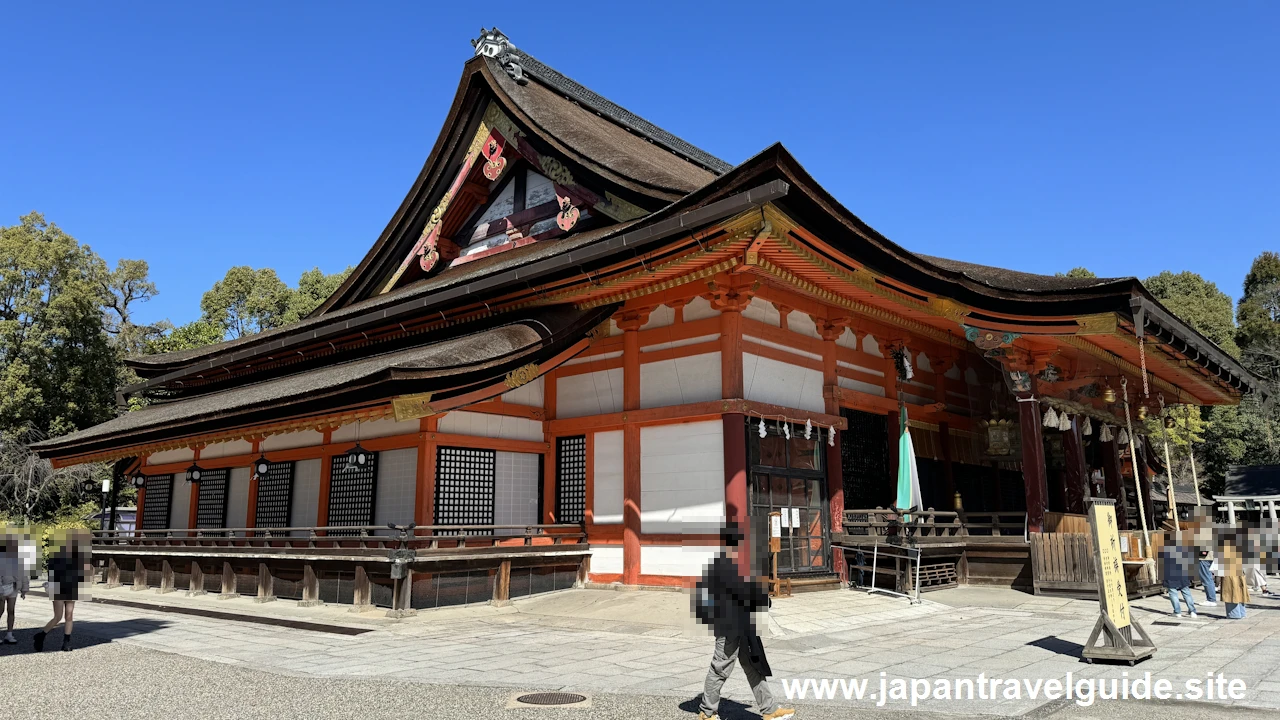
(493, 44)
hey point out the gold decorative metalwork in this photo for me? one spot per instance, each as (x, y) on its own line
(619, 209)
(948, 308)
(1098, 324)
(412, 407)
(555, 170)
(522, 375)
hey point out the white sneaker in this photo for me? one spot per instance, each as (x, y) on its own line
(1208, 603)
(1177, 615)
(1193, 615)
(9, 638)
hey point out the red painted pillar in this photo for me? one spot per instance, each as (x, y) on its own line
(735, 434)
(630, 322)
(830, 332)
(1076, 473)
(1033, 469)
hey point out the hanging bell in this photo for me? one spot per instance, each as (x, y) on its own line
(808, 429)
(1168, 421)
(1086, 428)
(1142, 412)
(763, 430)
(1108, 394)
(831, 436)
(1051, 418)
(1123, 439)
(1064, 422)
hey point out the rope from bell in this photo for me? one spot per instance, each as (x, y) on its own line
(1168, 468)
(1191, 452)
(1133, 458)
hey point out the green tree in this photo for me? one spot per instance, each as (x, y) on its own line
(246, 301)
(1077, 272)
(1199, 303)
(1258, 315)
(194, 334)
(314, 287)
(57, 366)
(130, 283)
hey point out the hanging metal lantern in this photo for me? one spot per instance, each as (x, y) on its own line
(261, 467)
(357, 456)
(139, 481)
(194, 473)
(999, 436)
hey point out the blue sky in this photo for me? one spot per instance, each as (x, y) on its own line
(1126, 137)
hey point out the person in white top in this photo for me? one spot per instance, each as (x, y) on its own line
(15, 581)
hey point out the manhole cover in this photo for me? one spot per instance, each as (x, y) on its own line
(551, 698)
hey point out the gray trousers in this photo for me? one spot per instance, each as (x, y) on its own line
(721, 665)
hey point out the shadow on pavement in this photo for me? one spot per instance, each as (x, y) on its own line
(1058, 645)
(87, 634)
(729, 709)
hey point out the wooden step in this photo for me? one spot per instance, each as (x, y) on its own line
(816, 583)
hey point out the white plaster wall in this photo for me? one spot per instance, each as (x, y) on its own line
(530, 395)
(606, 469)
(302, 438)
(870, 346)
(397, 490)
(516, 489)
(685, 560)
(171, 456)
(954, 373)
(306, 494)
(180, 506)
(224, 449)
(680, 380)
(491, 426)
(606, 559)
(583, 359)
(682, 477)
(798, 322)
(923, 362)
(698, 309)
(848, 339)
(662, 316)
(594, 393)
(383, 427)
(868, 388)
(763, 311)
(769, 381)
(238, 498)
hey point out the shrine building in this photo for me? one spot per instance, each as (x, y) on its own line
(581, 344)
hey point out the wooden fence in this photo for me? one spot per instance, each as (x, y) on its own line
(1063, 562)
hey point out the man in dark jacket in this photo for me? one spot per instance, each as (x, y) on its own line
(724, 599)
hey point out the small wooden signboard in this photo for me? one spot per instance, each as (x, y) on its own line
(777, 587)
(1113, 636)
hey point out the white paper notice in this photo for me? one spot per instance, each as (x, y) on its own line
(1124, 544)
(795, 518)
(786, 517)
(776, 526)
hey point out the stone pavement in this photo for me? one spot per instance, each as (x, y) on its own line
(603, 641)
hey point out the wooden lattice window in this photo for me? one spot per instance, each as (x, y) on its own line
(275, 496)
(156, 502)
(211, 503)
(351, 491)
(465, 484)
(864, 461)
(571, 478)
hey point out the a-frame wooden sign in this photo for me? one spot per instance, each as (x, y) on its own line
(1116, 635)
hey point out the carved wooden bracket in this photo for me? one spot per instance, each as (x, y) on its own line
(632, 318)
(730, 299)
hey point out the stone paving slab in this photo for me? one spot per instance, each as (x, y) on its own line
(837, 634)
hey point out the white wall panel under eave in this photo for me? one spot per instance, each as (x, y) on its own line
(180, 505)
(397, 489)
(698, 309)
(606, 472)
(606, 559)
(764, 311)
(171, 456)
(286, 441)
(529, 395)
(491, 426)
(516, 489)
(695, 378)
(866, 387)
(682, 477)
(238, 498)
(226, 449)
(685, 560)
(306, 495)
(384, 427)
(595, 393)
(769, 381)
(662, 316)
